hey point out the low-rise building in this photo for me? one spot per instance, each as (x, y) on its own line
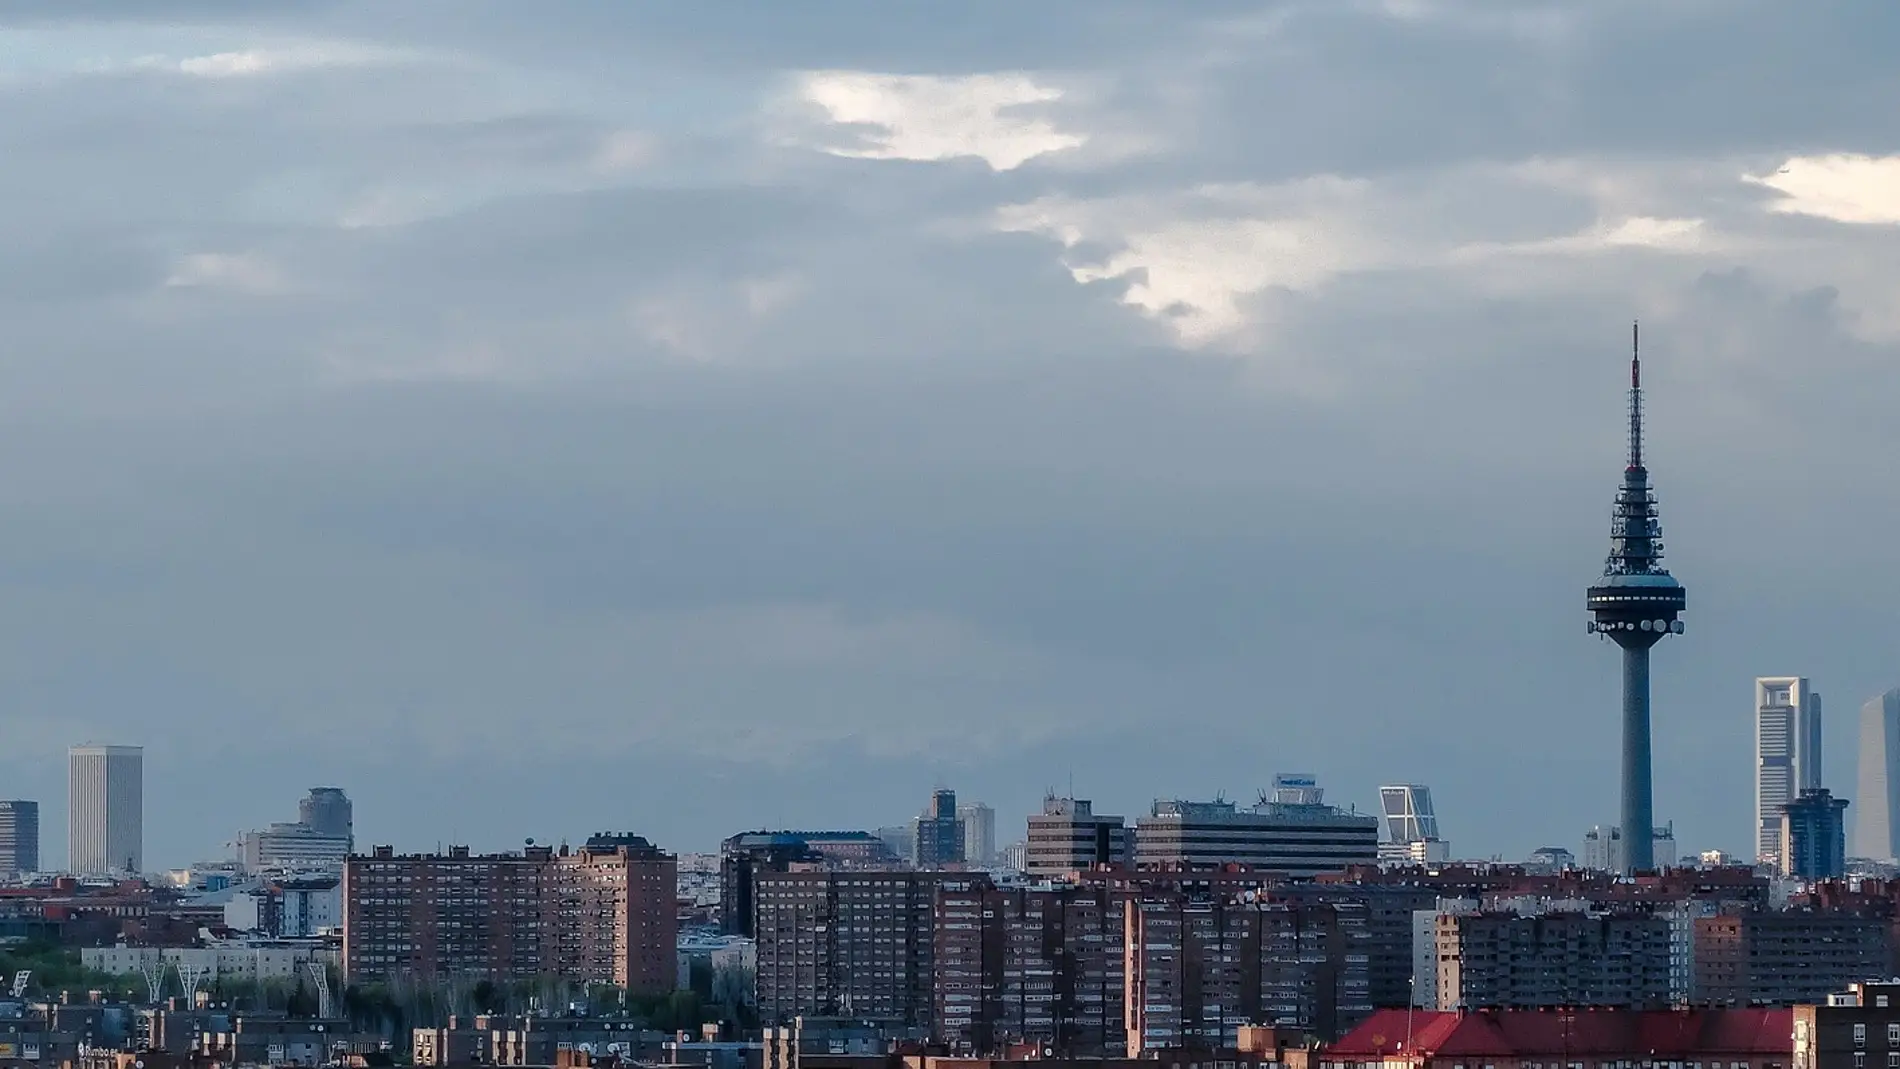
(1576, 1038)
(1857, 1028)
(248, 960)
(501, 1039)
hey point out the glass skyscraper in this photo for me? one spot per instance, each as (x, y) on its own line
(1787, 754)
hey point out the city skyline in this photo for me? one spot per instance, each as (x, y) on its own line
(726, 410)
(1788, 704)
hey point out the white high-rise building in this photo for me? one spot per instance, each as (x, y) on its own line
(105, 818)
(979, 833)
(1603, 848)
(1787, 754)
(1877, 798)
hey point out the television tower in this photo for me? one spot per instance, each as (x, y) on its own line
(1635, 604)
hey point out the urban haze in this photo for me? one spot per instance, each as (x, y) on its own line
(697, 417)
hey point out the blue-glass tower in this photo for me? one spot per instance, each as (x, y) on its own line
(1634, 605)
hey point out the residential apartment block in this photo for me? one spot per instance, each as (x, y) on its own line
(855, 944)
(604, 913)
(1199, 969)
(1040, 966)
(1567, 956)
(1858, 1028)
(1784, 958)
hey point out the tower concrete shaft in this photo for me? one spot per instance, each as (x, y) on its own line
(1638, 814)
(1635, 604)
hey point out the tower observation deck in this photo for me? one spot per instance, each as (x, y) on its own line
(1634, 605)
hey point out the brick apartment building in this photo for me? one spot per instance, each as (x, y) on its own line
(1762, 958)
(1028, 966)
(1858, 1028)
(1199, 969)
(603, 913)
(1086, 970)
(1127, 962)
(855, 944)
(1562, 958)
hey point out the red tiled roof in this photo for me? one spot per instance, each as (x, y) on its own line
(1586, 1032)
(1385, 1033)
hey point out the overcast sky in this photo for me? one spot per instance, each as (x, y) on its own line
(695, 416)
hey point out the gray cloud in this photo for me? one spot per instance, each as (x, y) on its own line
(535, 402)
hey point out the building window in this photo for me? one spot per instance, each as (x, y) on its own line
(1893, 1034)
(1860, 1035)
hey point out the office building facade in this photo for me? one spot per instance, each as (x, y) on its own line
(19, 838)
(1787, 754)
(1069, 836)
(105, 819)
(1813, 842)
(291, 847)
(979, 833)
(327, 811)
(1291, 832)
(1411, 826)
(321, 839)
(937, 835)
(1877, 795)
(1604, 851)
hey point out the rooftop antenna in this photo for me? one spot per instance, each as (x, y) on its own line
(1636, 398)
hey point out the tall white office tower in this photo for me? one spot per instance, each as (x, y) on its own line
(1787, 754)
(979, 833)
(1877, 797)
(105, 819)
